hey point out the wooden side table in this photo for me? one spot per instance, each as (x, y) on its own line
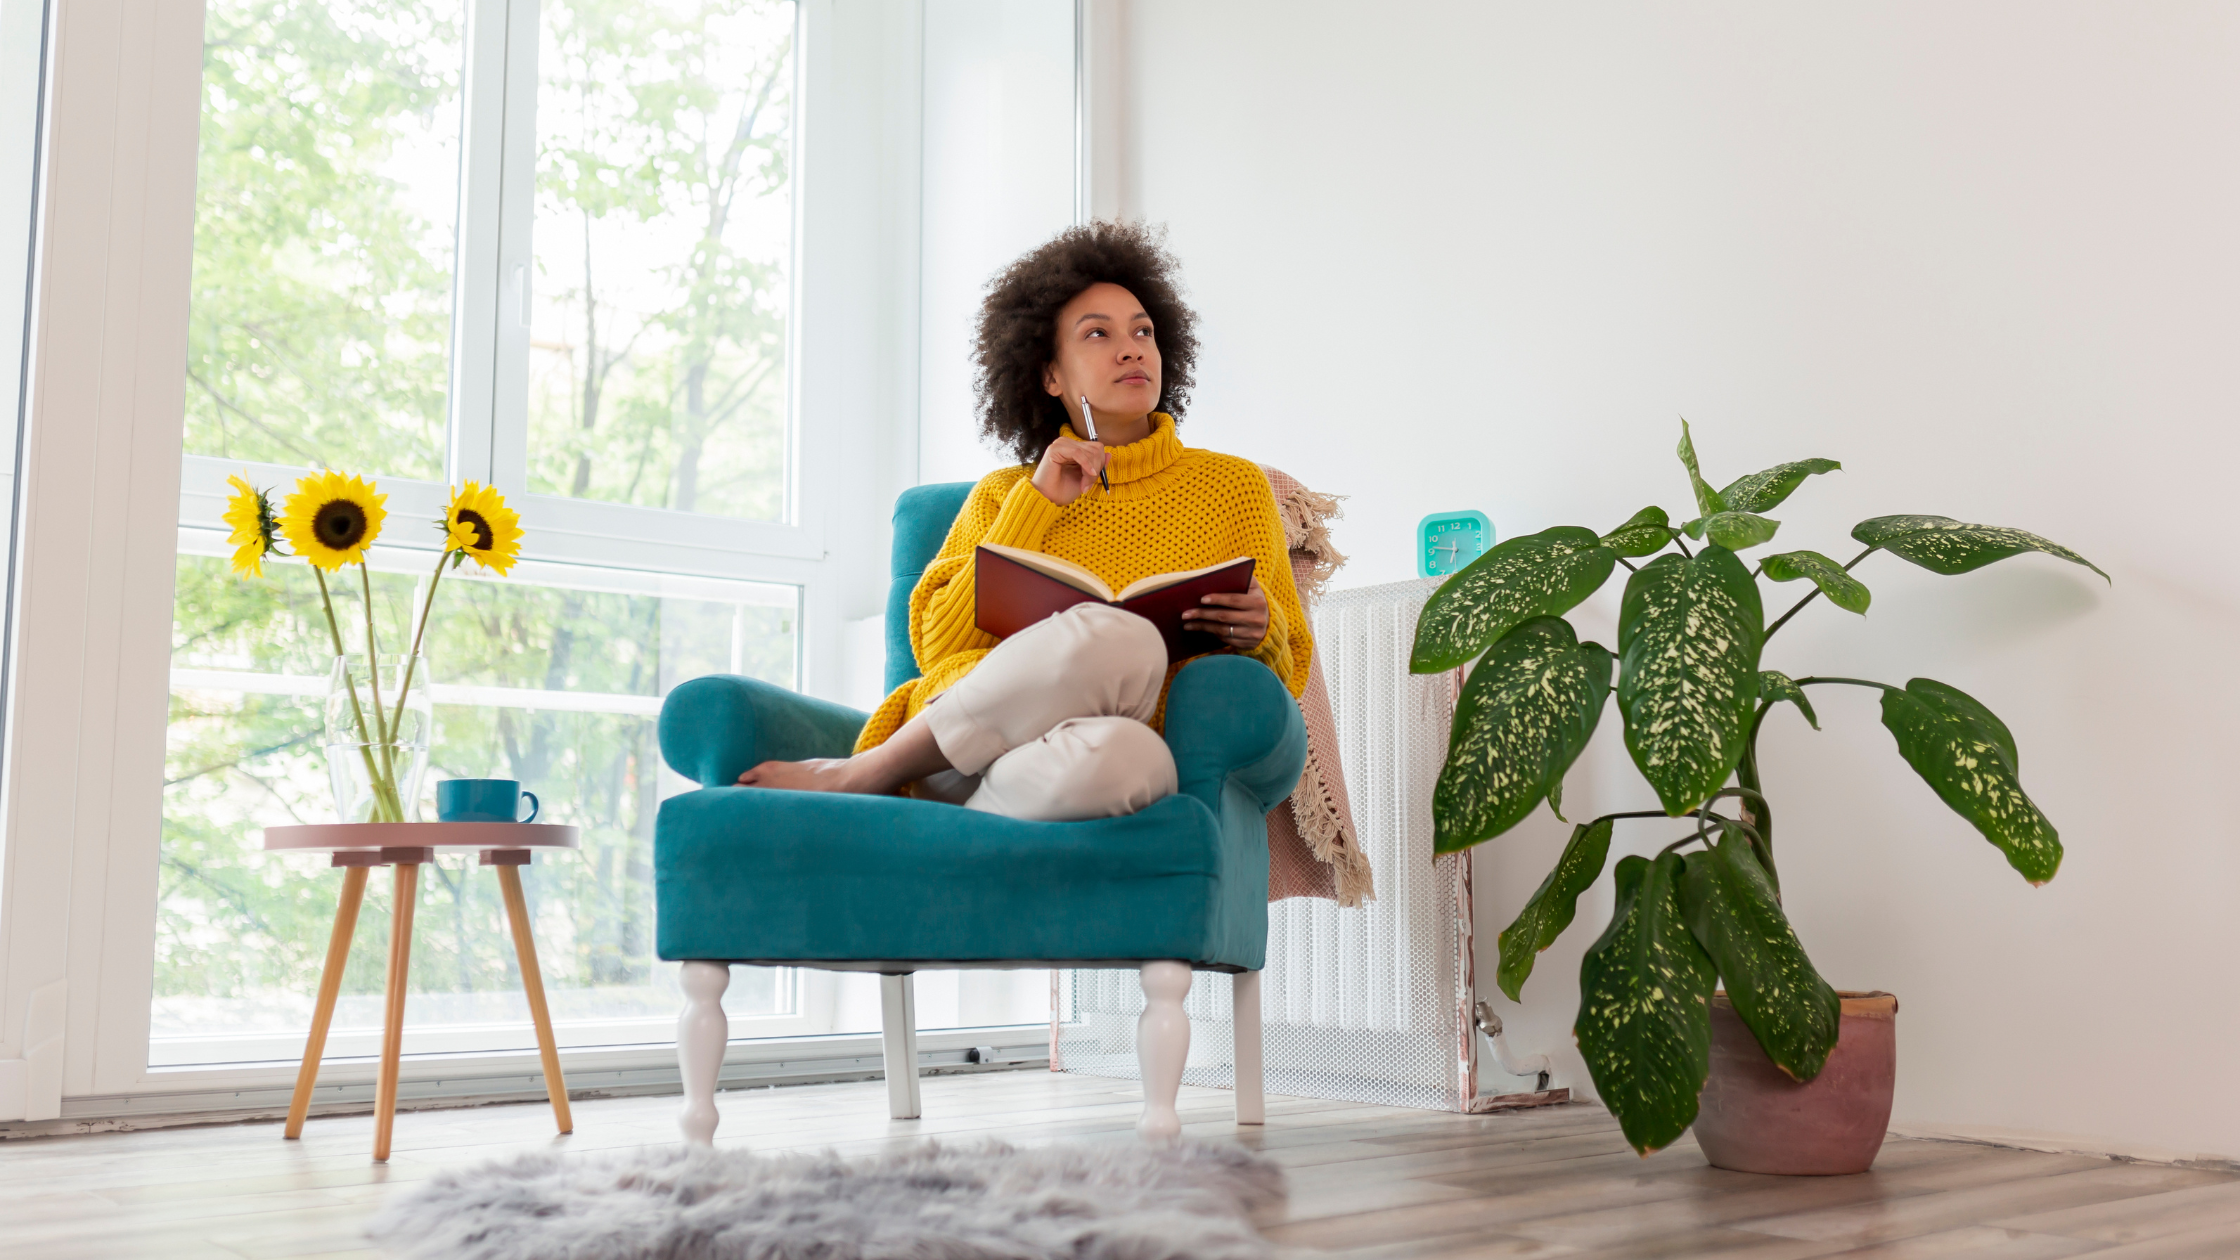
(359, 847)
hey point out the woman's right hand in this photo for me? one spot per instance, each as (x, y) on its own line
(1067, 468)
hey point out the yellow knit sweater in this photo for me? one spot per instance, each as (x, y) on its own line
(1171, 508)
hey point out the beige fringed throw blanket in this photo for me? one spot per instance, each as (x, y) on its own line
(1313, 850)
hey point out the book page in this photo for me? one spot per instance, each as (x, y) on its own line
(1160, 581)
(1065, 571)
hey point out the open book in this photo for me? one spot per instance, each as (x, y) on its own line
(1013, 589)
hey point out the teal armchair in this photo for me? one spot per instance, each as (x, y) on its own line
(893, 886)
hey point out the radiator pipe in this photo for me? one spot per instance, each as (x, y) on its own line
(1489, 1026)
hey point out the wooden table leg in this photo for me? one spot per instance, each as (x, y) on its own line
(392, 1027)
(525, 948)
(330, 985)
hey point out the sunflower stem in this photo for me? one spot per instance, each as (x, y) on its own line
(383, 802)
(419, 632)
(373, 684)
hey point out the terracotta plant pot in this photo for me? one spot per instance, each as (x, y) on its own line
(1754, 1118)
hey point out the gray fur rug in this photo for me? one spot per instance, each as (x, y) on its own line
(989, 1201)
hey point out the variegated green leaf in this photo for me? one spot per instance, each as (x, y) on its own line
(1943, 545)
(1775, 687)
(1842, 589)
(1707, 499)
(1646, 533)
(1552, 906)
(1645, 1007)
(1689, 632)
(1968, 756)
(1737, 531)
(1538, 575)
(1732, 910)
(1529, 708)
(1764, 491)
(1971, 710)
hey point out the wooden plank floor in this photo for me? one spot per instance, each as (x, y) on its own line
(1367, 1183)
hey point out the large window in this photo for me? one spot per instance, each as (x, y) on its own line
(373, 292)
(549, 247)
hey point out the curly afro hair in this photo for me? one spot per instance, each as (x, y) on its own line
(1019, 327)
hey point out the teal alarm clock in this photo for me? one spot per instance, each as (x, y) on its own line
(1448, 541)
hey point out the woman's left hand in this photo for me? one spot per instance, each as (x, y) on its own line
(1239, 621)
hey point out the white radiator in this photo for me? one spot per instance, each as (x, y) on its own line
(1369, 1004)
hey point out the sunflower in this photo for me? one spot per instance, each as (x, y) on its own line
(331, 519)
(480, 525)
(249, 512)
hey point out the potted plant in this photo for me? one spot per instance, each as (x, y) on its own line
(1799, 1076)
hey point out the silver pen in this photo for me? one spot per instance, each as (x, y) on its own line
(1089, 422)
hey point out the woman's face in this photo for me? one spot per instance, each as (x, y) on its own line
(1106, 350)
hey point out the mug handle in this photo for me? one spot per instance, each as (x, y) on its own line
(533, 806)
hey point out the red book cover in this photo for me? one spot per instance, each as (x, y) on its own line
(1013, 589)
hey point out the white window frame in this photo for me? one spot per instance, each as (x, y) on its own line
(108, 492)
(23, 45)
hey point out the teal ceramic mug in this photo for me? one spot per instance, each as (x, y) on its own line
(483, 800)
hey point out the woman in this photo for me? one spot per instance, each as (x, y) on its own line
(1059, 721)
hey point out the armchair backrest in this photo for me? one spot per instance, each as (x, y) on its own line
(922, 516)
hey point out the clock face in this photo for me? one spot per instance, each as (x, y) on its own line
(1446, 542)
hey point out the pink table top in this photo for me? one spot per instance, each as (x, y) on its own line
(345, 837)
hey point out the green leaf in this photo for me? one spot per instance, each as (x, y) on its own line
(1552, 906)
(1645, 1007)
(1646, 533)
(1528, 710)
(1943, 545)
(1968, 756)
(1764, 491)
(1775, 687)
(1972, 710)
(1732, 910)
(1737, 531)
(1842, 589)
(1708, 502)
(1689, 632)
(1538, 575)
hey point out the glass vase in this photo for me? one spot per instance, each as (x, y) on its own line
(376, 759)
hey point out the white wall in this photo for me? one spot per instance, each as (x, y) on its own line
(999, 180)
(1478, 254)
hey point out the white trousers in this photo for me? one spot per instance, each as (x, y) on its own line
(1050, 726)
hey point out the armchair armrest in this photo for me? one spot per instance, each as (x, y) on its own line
(1229, 719)
(716, 727)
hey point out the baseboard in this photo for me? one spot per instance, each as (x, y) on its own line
(2065, 1144)
(102, 1113)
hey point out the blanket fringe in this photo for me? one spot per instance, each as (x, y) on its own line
(1329, 834)
(1306, 527)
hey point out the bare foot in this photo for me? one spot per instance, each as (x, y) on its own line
(911, 754)
(825, 774)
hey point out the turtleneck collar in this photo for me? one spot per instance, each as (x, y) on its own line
(1147, 457)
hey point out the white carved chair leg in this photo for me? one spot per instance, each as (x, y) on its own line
(702, 1032)
(1162, 1046)
(898, 1025)
(1252, 1104)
